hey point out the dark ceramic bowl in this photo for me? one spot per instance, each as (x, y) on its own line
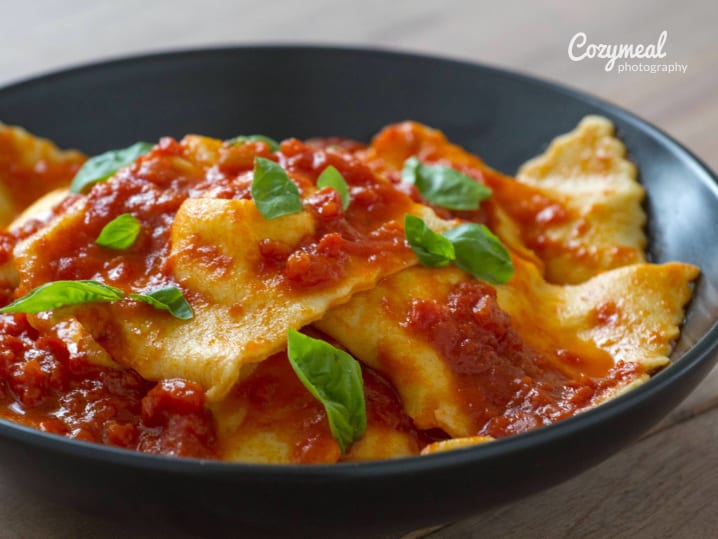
(304, 91)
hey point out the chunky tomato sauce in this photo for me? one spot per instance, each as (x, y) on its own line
(152, 190)
(156, 185)
(43, 386)
(370, 229)
(507, 387)
(276, 401)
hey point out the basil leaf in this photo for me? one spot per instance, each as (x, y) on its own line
(237, 141)
(62, 293)
(169, 299)
(272, 190)
(432, 249)
(334, 378)
(331, 177)
(120, 233)
(101, 167)
(473, 248)
(444, 186)
(480, 253)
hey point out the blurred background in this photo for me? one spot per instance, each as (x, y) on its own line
(532, 37)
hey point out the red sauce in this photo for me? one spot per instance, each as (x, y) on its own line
(154, 187)
(533, 212)
(24, 183)
(62, 395)
(368, 229)
(384, 407)
(277, 401)
(152, 190)
(336, 143)
(42, 386)
(506, 386)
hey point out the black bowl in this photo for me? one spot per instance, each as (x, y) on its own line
(304, 91)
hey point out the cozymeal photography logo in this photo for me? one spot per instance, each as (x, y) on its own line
(625, 57)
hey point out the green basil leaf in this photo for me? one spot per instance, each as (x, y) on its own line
(334, 378)
(444, 186)
(480, 253)
(410, 171)
(272, 190)
(273, 144)
(101, 167)
(432, 249)
(62, 293)
(472, 247)
(331, 177)
(120, 233)
(170, 299)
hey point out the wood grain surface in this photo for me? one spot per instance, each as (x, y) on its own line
(665, 485)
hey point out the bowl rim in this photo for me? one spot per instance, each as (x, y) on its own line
(681, 367)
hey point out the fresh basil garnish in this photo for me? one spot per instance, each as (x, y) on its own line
(432, 249)
(58, 294)
(101, 167)
(272, 190)
(444, 186)
(480, 253)
(120, 233)
(169, 299)
(334, 378)
(472, 247)
(273, 144)
(331, 177)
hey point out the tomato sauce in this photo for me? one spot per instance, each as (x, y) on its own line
(25, 182)
(43, 386)
(369, 229)
(507, 387)
(46, 387)
(154, 187)
(152, 190)
(276, 401)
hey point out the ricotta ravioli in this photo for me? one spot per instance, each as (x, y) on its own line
(583, 318)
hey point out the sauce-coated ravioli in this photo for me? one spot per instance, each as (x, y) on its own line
(441, 303)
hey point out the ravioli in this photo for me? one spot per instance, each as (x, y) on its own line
(576, 208)
(617, 327)
(587, 170)
(222, 252)
(29, 168)
(447, 360)
(599, 330)
(270, 417)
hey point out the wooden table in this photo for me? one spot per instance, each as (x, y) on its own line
(665, 485)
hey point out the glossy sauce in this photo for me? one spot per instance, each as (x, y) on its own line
(25, 182)
(42, 386)
(72, 397)
(507, 387)
(276, 401)
(368, 230)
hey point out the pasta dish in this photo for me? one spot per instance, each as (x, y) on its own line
(324, 300)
